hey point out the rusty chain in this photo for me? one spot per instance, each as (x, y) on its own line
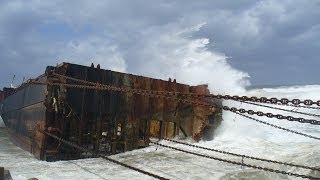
(270, 115)
(300, 106)
(168, 94)
(232, 109)
(125, 90)
(290, 105)
(104, 157)
(279, 127)
(237, 163)
(273, 100)
(242, 155)
(195, 102)
(281, 109)
(189, 152)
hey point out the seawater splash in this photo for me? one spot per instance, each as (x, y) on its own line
(241, 135)
(188, 60)
(172, 52)
(1, 122)
(236, 135)
(235, 126)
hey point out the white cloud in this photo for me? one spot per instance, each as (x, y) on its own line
(95, 50)
(145, 36)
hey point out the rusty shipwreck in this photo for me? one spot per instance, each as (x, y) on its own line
(108, 112)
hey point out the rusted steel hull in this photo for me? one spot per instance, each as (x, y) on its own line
(107, 122)
(21, 112)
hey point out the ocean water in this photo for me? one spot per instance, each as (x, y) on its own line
(236, 134)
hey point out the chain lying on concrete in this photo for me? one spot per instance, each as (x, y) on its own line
(279, 127)
(242, 155)
(270, 115)
(237, 163)
(281, 109)
(104, 157)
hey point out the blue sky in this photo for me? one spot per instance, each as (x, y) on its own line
(266, 42)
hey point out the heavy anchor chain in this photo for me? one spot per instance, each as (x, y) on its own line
(125, 90)
(289, 105)
(71, 144)
(242, 155)
(236, 163)
(281, 109)
(270, 115)
(279, 127)
(168, 95)
(273, 100)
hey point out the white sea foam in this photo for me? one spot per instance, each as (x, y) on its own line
(189, 61)
(236, 134)
(1, 122)
(170, 52)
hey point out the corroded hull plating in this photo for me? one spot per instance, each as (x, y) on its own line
(107, 122)
(21, 112)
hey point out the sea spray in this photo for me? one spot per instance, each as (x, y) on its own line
(1, 122)
(173, 53)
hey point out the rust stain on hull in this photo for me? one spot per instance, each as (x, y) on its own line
(107, 122)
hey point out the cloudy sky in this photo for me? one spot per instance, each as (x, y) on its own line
(267, 42)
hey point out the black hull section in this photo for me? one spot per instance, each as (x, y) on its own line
(106, 122)
(21, 113)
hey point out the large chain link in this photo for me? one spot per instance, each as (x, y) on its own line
(195, 102)
(169, 95)
(126, 90)
(104, 157)
(189, 152)
(279, 127)
(242, 155)
(237, 163)
(273, 100)
(166, 95)
(281, 109)
(289, 105)
(270, 115)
